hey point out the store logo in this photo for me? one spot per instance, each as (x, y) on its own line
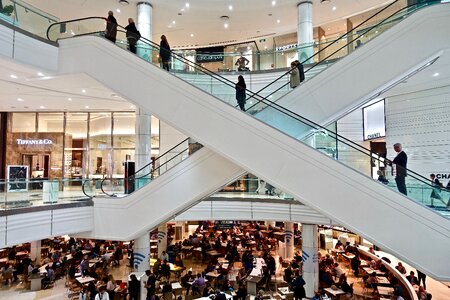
(374, 135)
(34, 142)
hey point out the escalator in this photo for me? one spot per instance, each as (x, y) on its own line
(272, 155)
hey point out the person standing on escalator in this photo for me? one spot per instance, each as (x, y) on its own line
(164, 52)
(111, 27)
(399, 168)
(240, 92)
(295, 76)
(133, 35)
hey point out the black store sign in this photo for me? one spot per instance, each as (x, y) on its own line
(210, 54)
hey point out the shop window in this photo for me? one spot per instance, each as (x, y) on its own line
(50, 122)
(124, 133)
(23, 122)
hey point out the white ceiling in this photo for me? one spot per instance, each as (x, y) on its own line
(249, 19)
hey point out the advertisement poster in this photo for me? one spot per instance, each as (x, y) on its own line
(17, 178)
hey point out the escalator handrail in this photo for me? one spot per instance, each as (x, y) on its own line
(302, 119)
(146, 166)
(344, 46)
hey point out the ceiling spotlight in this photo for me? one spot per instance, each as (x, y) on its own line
(230, 7)
(187, 4)
(83, 91)
(87, 106)
(436, 74)
(124, 2)
(278, 21)
(118, 10)
(225, 25)
(13, 76)
(334, 8)
(19, 99)
(274, 3)
(40, 74)
(173, 22)
(69, 99)
(42, 106)
(192, 35)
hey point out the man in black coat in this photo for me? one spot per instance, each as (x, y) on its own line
(400, 162)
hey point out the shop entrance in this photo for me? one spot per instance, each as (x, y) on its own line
(379, 152)
(38, 165)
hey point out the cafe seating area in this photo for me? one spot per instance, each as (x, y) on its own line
(242, 260)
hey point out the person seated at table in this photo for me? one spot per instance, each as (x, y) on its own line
(350, 249)
(339, 245)
(111, 286)
(397, 296)
(102, 294)
(259, 295)
(166, 286)
(198, 284)
(412, 278)
(371, 250)
(47, 259)
(400, 268)
(337, 270)
(372, 263)
(296, 263)
(165, 270)
(220, 296)
(372, 281)
(241, 293)
(288, 274)
(164, 256)
(325, 278)
(343, 285)
(227, 286)
(7, 274)
(422, 293)
(178, 261)
(84, 294)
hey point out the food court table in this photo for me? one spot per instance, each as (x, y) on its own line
(334, 293)
(385, 290)
(84, 280)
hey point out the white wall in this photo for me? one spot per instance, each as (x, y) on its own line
(421, 122)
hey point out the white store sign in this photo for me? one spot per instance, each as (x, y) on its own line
(34, 142)
(374, 121)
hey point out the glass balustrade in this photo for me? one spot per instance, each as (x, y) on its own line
(23, 193)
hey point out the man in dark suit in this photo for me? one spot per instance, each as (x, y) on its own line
(400, 162)
(412, 279)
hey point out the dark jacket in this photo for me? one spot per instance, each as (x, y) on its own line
(164, 51)
(111, 27)
(240, 91)
(132, 33)
(133, 288)
(301, 72)
(400, 162)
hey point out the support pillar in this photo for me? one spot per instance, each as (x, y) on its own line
(289, 239)
(162, 238)
(142, 253)
(145, 26)
(35, 251)
(322, 39)
(305, 39)
(350, 46)
(310, 249)
(143, 142)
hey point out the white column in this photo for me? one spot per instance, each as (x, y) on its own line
(142, 253)
(310, 249)
(162, 238)
(289, 239)
(144, 25)
(305, 30)
(143, 140)
(35, 251)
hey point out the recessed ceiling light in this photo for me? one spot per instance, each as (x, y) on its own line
(83, 91)
(274, 3)
(192, 35)
(118, 10)
(69, 99)
(42, 106)
(182, 9)
(19, 99)
(278, 21)
(265, 47)
(87, 106)
(40, 74)
(328, 28)
(131, 106)
(436, 74)
(187, 4)
(225, 25)
(13, 76)
(334, 8)
(230, 7)
(248, 47)
(173, 22)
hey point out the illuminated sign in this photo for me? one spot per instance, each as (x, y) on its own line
(374, 121)
(34, 142)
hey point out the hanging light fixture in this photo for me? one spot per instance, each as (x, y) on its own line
(124, 2)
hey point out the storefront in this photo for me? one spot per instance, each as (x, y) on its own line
(72, 145)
